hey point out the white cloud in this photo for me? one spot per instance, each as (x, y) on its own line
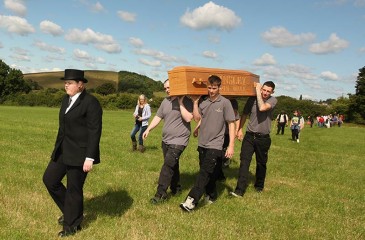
(51, 28)
(136, 42)
(44, 46)
(332, 45)
(150, 63)
(301, 72)
(81, 55)
(281, 37)
(109, 47)
(327, 75)
(362, 50)
(100, 60)
(264, 60)
(20, 54)
(101, 41)
(158, 55)
(16, 25)
(210, 54)
(57, 57)
(210, 16)
(89, 61)
(16, 6)
(97, 7)
(127, 16)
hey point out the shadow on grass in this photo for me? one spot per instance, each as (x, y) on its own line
(113, 203)
(187, 180)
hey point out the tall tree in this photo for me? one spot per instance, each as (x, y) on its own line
(357, 100)
(11, 81)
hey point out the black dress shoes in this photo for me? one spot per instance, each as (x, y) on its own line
(69, 231)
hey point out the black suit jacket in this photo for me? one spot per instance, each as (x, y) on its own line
(79, 131)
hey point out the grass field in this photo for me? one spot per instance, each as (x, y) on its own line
(314, 190)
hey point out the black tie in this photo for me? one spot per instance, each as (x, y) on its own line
(69, 102)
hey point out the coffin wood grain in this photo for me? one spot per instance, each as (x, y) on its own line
(188, 80)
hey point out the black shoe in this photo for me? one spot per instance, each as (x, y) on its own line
(158, 199)
(61, 220)
(69, 232)
(176, 191)
(259, 190)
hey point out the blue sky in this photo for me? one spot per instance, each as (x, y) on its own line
(312, 48)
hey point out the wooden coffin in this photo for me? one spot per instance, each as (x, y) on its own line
(187, 80)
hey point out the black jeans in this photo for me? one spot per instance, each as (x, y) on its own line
(251, 144)
(206, 179)
(295, 134)
(170, 173)
(281, 127)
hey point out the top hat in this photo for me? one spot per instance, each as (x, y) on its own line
(74, 74)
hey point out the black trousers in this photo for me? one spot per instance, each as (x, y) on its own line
(260, 146)
(207, 177)
(170, 172)
(69, 199)
(295, 134)
(281, 127)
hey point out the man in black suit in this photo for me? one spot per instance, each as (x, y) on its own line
(76, 150)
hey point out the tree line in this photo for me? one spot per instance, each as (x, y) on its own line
(14, 90)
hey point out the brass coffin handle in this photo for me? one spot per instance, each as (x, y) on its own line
(199, 81)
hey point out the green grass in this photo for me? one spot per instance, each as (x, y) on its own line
(314, 190)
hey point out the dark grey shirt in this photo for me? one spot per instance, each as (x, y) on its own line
(175, 129)
(214, 116)
(260, 122)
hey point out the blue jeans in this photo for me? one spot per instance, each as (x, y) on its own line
(134, 132)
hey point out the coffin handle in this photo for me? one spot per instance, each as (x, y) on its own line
(199, 81)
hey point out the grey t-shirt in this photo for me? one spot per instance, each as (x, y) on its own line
(175, 129)
(260, 122)
(213, 122)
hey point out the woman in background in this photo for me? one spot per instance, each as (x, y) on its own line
(141, 114)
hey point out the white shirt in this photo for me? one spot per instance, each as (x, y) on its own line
(73, 100)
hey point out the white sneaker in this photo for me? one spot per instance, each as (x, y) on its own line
(297, 140)
(208, 200)
(234, 194)
(188, 205)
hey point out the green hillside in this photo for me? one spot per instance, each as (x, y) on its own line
(52, 79)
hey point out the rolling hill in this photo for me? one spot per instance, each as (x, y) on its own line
(52, 79)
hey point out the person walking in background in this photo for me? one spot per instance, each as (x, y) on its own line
(296, 125)
(282, 122)
(142, 114)
(177, 115)
(213, 113)
(257, 138)
(310, 121)
(76, 150)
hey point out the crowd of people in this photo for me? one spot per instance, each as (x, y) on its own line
(296, 122)
(330, 120)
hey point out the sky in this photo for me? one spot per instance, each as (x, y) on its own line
(312, 48)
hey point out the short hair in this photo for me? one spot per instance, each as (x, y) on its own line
(269, 84)
(165, 81)
(214, 79)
